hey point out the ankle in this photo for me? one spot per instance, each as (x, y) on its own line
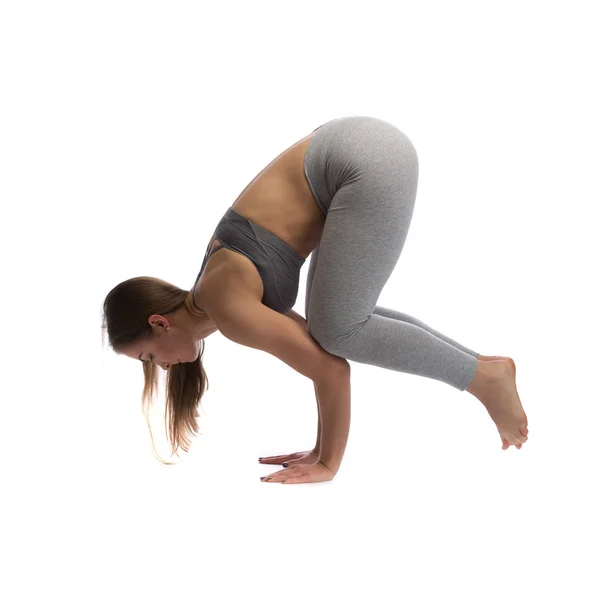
(484, 374)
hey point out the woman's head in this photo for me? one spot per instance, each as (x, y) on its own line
(170, 341)
(149, 319)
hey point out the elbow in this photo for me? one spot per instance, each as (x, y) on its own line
(342, 364)
(336, 368)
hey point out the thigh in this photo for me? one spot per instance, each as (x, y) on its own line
(365, 229)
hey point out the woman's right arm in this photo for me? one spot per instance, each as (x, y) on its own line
(297, 318)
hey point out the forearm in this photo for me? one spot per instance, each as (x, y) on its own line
(298, 318)
(317, 448)
(333, 396)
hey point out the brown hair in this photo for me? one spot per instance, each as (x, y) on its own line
(127, 308)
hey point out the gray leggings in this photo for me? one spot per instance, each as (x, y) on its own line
(363, 174)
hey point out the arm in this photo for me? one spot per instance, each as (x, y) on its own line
(333, 398)
(293, 315)
(302, 321)
(333, 405)
(338, 419)
(244, 320)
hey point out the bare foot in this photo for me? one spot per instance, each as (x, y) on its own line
(494, 384)
(505, 444)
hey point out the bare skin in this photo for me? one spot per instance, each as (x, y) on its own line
(493, 384)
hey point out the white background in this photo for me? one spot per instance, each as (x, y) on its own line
(126, 131)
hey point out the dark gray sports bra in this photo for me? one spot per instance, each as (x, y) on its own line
(277, 262)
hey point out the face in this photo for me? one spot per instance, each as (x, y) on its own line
(165, 347)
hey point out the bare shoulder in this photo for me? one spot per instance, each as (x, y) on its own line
(243, 319)
(234, 278)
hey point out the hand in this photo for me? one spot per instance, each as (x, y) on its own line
(301, 474)
(301, 458)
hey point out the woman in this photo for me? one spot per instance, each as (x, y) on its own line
(345, 195)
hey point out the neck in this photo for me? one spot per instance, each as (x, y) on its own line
(199, 321)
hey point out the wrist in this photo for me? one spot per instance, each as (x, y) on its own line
(332, 470)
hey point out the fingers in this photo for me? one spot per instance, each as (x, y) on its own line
(275, 460)
(299, 479)
(301, 474)
(279, 459)
(283, 476)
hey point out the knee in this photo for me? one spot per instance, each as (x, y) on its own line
(321, 335)
(330, 340)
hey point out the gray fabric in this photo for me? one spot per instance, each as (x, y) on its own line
(277, 262)
(363, 173)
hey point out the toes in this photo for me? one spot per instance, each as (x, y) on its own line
(519, 439)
